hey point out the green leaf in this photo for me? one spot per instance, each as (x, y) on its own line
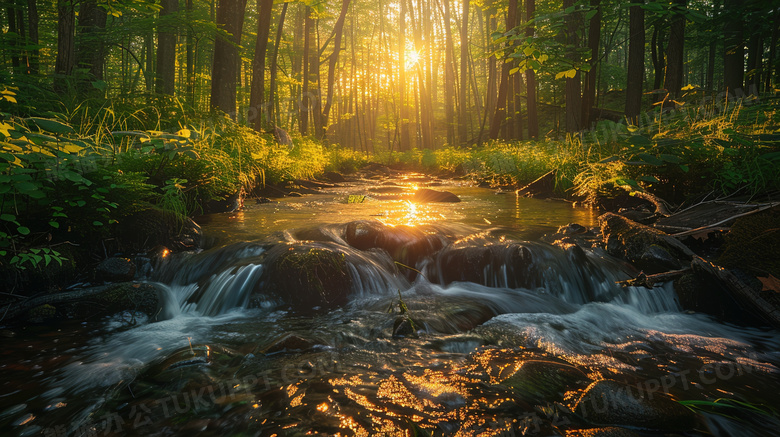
(670, 158)
(48, 259)
(640, 140)
(684, 168)
(54, 224)
(97, 223)
(23, 230)
(650, 159)
(49, 125)
(651, 179)
(8, 217)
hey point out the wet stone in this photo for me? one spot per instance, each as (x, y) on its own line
(608, 402)
(608, 431)
(115, 269)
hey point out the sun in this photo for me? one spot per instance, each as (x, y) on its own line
(412, 58)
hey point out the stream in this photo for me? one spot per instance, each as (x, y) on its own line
(338, 314)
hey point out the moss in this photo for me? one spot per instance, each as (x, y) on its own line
(753, 244)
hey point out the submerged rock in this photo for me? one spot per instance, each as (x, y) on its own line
(538, 381)
(494, 266)
(608, 402)
(405, 244)
(607, 431)
(425, 195)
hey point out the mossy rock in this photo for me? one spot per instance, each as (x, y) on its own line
(542, 380)
(753, 244)
(127, 296)
(308, 278)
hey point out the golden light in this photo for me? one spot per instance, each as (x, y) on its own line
(412, 58)
(323, 407)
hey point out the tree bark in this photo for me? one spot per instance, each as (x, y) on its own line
(770, 64)
(338, 29)
(674, 52)
(274, 99)
(753, 72)
(589, 91)
(573, 122)
(190, 80)
(230, 18)
(658, 56)
(499, 118)
(464, 73)
(636, 62)
(32, 32)
(449, 75)
(165, 76)
(66, 44)
(257, 103)
(530, 78)
(734, 50)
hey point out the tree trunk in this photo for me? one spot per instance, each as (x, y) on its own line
(755, 52)
(636, 63)
(674, 52)
(464, 73)
(257, 103)
(32, 25)
(338, 29)
(573, 121)
(530, 78)
(165, 77)
(66, 44)
(314, 79)
(449, 75)
(499, 118)
(15, 41)
(272, 109)
(589, 91)
(770, 63)
(190, 81)
(404, 140)
(230, 18)
(710, 81)
(734, 50)
(659, 58)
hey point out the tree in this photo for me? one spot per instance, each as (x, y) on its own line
(230, 19)
(499, 117)
(464, 71)
(530, 77)
(573, 121)
(165, 77)
(257, 93)
(66, 44)
(333, 62)
(449, 75)
(734, 48)
(674, 51)
(636, 62)
(274, 63)
(594, 36)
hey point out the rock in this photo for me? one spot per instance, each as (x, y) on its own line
(289, 343)
(405, 244)
(334, 177)
(294, 194)
(404, 326)
(544, 381)
(115, 269)
(308, 278)
(608, 402)
(632, 241)
(228, 203)
(572, 229)
(387, 189)
(485, 265)
(261, 200)
(607, 431)
(425, 195)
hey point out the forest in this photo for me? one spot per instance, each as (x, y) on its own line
(111, 106)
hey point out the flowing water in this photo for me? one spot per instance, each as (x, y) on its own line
(316, 316)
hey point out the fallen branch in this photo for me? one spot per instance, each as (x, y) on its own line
(713, 226)
(649, 281)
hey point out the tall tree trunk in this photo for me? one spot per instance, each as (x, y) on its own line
(14, 41)
(190, 80)
(589, 91)
(165, 77)
(636, 62)
(306, 101)
(449, 75)
(573, 121)
(404, 140)
(734, 49)
(32, 25)
(338, 30)
(770, 63)
(710, 81)
(66, 44)
(674, 52)
(272, 109)
(499, 118)
(149, 57)
(530, 78)
(230, 18)
(314, 91)
(464, 73)
(257, 103)
(753, 73)
(659, 58)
